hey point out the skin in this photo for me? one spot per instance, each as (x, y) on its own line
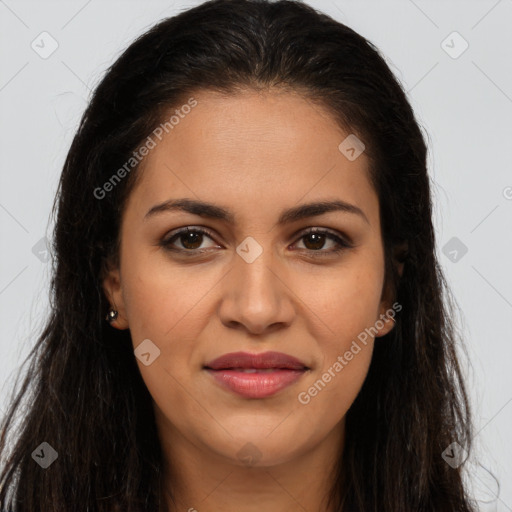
(255, 154)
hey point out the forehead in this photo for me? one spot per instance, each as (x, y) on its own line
(253, 149)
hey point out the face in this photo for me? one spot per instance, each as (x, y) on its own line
(248, 278)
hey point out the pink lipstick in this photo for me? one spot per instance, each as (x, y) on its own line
(256, 375)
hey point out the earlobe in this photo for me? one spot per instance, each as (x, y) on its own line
(385, 323)
(386, 320)
(112, 286)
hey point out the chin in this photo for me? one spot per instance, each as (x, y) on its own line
(252, 447)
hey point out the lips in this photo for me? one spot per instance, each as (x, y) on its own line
(256, 375)
(263, 361)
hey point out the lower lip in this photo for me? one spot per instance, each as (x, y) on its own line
(258, 384)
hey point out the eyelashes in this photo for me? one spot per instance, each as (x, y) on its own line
(321, 235)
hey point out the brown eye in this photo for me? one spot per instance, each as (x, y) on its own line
(189, 239)
(315, 239)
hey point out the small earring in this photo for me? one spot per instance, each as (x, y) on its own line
(111, 315)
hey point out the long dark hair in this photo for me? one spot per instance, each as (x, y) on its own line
(83, 393)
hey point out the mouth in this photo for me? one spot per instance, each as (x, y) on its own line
(256, 375)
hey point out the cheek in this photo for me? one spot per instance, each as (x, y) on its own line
(172, 317)
(346, 307)
(324, 403)
(167, 310)
(346, 353)
(331, 390)
(345, 302)
(168, 306)
(160, 299)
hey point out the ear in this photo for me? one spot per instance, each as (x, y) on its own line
(388, 308)
(400, 254)
(385, 323)
(112, 286)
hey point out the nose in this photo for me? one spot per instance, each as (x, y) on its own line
(256, 296)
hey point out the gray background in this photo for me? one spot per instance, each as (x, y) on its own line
(462, 100)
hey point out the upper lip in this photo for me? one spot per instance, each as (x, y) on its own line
(258, 361)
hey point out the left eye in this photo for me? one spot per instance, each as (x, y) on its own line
(191, 241)
(317, 239)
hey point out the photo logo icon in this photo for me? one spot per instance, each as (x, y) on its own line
(41, 251)
(45, 455)
(352, 147)
(146, 352)
(454, 455)
(249, 249)
(249, 454)
(44, 45)
(454, 45)
(454, 249)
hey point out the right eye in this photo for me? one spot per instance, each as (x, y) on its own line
(190, 239)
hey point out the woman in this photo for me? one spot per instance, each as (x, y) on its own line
(247, 313)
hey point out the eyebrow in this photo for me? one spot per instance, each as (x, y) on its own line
(294, 214)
